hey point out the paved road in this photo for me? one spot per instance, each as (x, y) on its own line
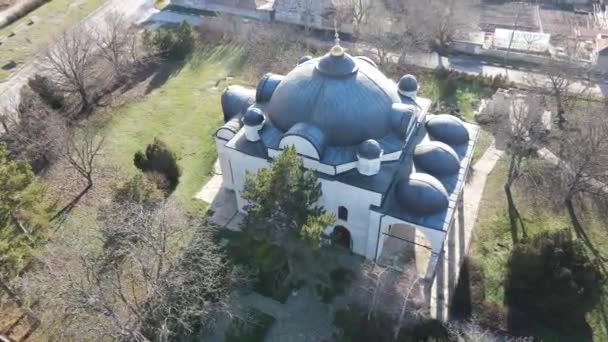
(136, 10)
(461, 63)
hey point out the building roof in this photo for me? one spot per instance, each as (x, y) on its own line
(347, 109)
(347, 98)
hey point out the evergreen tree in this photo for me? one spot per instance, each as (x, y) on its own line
(24, 215)
(283, 202)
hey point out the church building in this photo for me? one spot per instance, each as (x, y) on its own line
(392, 174)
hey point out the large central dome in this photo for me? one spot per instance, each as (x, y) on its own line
(347, 98)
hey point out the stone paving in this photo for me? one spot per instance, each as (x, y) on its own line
(303, 318)
(222, 202)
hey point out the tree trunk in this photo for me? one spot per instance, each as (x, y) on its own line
(68, 207)
(581, 234)
(561, 121)
(84, 98)
(4, 125)
(512, 210)
(514, 216)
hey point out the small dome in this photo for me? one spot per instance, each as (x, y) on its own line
(337, 65)
(422, 194)
(304, 59)
(437, 158)
(369, 149)
(235, 100)
(266, 87)
(448, 129)
(253, 117)
(408, 84)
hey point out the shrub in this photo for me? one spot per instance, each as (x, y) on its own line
(47, 90)
(253, 329)
(138, 189)
(171, 42)
(158, 158)
(551, 280)
(353, 326)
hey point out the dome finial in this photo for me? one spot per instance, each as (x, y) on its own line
(336, 50)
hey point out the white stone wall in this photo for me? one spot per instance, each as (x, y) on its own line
(357, 201)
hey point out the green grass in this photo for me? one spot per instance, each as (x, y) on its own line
(184, 113)
(491, 243)
(54, 17)
(455, 90)
(484, 139)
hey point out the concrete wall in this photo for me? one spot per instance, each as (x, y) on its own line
(466, 47)
(517, 56)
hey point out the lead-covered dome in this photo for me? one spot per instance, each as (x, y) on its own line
(369, 149)
(422, 194)
(437, 158)
(347, 98)
(448, 129)
(253, 117)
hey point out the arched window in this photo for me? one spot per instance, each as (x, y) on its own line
(343, 213)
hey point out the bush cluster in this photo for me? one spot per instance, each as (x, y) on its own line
(159, 163)
(48, 91)
(171, 42)
(453, 79)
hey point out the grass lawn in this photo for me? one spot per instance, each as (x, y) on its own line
(184, 113)
(484, 139)
(54, 17)
(492, 240)
(455, 90)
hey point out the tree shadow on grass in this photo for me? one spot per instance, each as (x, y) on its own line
(164, 73)
(550, 288)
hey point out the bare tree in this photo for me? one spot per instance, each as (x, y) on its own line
(564, 89)
(81, 150)
(583, 165)
(70, 62)
(390, 294)
(36, 133)
(443, 20)
(142, 274)
(524, 131)
(117, 42)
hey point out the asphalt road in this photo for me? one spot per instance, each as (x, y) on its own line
(142, 10)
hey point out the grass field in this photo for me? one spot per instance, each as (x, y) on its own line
(52, 18)
(492, 240)
(184, 113)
